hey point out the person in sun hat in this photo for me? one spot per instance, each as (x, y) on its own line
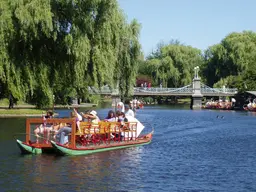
(92, 117)
(87, 112)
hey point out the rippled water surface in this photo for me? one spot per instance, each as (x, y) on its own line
(190, 151)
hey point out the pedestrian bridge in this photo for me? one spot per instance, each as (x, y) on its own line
(196, 90)
(188, 90)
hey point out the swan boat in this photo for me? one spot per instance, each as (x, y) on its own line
(92, 138)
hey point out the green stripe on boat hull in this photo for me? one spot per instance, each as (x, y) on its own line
(66, 151)
(26, 149)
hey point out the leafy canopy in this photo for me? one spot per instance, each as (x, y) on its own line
(60, 47)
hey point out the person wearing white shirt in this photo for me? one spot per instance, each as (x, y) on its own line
(128, 111)
(92, 117)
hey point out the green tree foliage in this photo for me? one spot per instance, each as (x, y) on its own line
(172, 64)
(129, 55)
(232, 62)
(61, 47)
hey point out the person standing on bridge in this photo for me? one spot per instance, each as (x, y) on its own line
(145, 85)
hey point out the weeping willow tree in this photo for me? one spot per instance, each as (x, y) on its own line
(129, 54)
(172, 64)
(60, 47)
(232, 62)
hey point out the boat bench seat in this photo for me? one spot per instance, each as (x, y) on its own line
(106, 127)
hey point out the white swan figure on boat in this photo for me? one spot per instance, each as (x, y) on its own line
(132, 133)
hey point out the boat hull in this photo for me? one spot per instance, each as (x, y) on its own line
(64, 150)
(33, 148)
(249, 108)
(28, 149)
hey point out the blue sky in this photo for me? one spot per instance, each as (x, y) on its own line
(199, 23)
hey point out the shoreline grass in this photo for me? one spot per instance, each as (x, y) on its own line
(22, 112)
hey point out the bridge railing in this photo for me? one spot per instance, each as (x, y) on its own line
(163, 90)
(186, 90)
(207, 89)
(218, 90)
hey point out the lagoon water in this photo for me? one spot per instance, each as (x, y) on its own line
(190, 151)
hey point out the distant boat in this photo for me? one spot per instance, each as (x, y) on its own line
(218, 105)
(250, 107)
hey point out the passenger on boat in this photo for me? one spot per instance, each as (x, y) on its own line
(44, 128)
(92, 117)
(48, 130)
(120, 106)
(78, 119)
(120, 117)
(49, 114)
(61, 136)
(85, 113)
(77, 115)
(111, 117)
(128, 111)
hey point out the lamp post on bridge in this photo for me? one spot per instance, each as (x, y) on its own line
(196, 99)
(196, 69)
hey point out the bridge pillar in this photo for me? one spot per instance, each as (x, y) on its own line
(196, 99)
